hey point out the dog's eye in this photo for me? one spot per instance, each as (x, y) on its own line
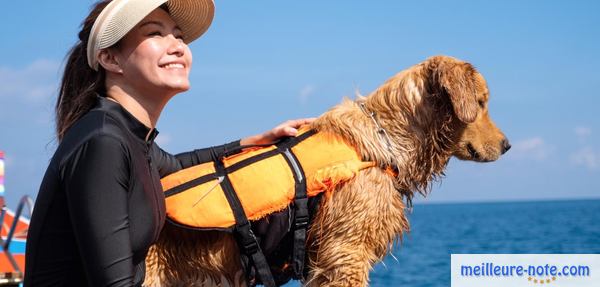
(482, 104)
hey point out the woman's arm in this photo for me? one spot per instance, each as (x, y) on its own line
(95, 180)
(168, 163)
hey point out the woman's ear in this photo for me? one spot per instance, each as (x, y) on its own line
(460, 82)
(108, 61)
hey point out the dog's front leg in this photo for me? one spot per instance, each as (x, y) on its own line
(353, 229)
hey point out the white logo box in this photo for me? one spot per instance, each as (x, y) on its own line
(501, 270)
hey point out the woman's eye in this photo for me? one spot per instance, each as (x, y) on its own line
(482, 104)
(155, 33)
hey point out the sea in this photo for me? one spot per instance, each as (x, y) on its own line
(438, 230)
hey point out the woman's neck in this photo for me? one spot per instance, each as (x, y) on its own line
(145, 109)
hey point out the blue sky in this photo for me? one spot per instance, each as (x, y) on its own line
(263, 62)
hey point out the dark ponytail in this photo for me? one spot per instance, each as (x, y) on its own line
(80, 83)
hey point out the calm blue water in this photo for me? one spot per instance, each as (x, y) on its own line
(438, 230)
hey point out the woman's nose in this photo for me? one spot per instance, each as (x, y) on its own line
(176, 46)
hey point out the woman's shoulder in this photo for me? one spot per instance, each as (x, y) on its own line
(94, 127)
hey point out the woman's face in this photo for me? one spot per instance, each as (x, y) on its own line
(153, 56)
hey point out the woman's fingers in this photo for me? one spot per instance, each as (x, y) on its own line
(289, 131)
(289, 128)
(285, 129)
(300, 122)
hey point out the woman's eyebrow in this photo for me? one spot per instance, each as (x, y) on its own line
(158, 23)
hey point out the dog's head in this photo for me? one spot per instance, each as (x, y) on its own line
(466, 89)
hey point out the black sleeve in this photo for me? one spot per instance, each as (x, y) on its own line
(168, 163)
(95, 178)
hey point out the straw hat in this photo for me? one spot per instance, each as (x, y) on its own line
(192, 16)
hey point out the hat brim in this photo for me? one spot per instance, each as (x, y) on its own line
(193, 17)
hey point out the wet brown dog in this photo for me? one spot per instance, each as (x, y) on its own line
(430, 112)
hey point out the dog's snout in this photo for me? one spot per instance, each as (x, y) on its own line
(505, 145)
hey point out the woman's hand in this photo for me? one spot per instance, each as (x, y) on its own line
(288, 128)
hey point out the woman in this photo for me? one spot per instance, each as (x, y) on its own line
(100, 205)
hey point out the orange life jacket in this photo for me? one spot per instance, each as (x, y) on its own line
(263, 179)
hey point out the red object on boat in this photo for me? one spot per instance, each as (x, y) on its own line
(13, 235)
(17, 244)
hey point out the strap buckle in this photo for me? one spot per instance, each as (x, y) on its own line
(301, 222)
(247, 240)
(301, 215)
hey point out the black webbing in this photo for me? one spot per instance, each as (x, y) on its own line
(190, 184)
(244, 234)
(301, 215)
(286, 139)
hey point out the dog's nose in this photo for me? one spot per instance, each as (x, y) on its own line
(505, 145)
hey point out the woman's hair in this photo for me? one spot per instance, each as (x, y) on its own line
(80, 83)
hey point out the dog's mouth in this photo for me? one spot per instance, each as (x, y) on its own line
(475, 155)
(472, 152)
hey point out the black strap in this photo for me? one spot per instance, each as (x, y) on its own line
(296, 140)
(301, 215)
(245, 236)
(190, 184)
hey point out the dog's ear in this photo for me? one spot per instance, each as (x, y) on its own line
(459, 80)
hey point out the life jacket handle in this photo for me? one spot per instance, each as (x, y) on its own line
(237, 149)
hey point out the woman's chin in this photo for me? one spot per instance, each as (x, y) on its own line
(178, 86)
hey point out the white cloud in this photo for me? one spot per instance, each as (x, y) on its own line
(33, 84)
(586, 157)
(27, 93)
(529, 144)
(583, 131)
(305, 93)
(163, 139)
(535, 148)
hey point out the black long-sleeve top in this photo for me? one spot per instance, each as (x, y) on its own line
(100, 205)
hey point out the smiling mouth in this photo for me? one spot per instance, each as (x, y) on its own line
(173, 66)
